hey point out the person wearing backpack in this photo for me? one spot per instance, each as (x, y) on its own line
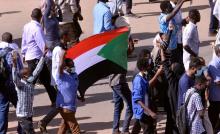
(187, 79)
(7, 91)
(195, 106)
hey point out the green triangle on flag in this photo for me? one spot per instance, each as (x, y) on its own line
(116, 50)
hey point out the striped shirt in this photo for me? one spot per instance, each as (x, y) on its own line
(25, 91)
(195, 105)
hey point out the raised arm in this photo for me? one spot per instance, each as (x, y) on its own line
(15, 77)
(48, 9)
(169, 74)
(175, 10)
(154, 80)
(37, 70)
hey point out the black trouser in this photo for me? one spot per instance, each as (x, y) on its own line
(8, 90)
(147, 123)
(25, 125)
(171, 127)
(180, 53)
(45, 79)
(214, 112)
(52, 113)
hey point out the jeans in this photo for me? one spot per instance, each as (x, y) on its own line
(25, 125)
(45, 79)
(214, 23)
(147, 123)
(69, 121)
(122, 93)
(214, 113)
(4, 108)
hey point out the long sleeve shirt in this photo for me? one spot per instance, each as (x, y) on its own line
(33, 41)
(102, 18)
(51, 23)
(25, 91)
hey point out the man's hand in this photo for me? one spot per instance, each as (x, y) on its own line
(82, 99)
(45, 52)
(77, 16)
(153, 115)
(160, 71)
(80, 17)
(171, 26)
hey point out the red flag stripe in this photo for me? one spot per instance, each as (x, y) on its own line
(93, 41)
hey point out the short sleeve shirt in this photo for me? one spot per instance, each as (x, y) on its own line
(195, 105)
(164, 28)
(190, 38)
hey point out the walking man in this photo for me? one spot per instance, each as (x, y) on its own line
(33, 48)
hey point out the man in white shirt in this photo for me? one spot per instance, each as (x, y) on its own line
(33, 48)
(191, 38)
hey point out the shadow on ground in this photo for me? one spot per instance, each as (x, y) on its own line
(9, 12)
(143, 36)
(201, 7)
(206, 43)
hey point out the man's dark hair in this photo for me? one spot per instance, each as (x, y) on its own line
(143, 63)
(200, 79)
(68, 62)
(144, 53)
(195, 62)
(36, 14)
(194, 14)
(63, 33)
(164, 5)
(7, 37)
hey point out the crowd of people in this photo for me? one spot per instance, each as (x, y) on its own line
(172, 75)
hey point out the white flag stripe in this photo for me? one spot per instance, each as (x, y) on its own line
(88, 59)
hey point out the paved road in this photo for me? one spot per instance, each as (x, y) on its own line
(95, 115)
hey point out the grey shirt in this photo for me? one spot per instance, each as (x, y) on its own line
(116, 79)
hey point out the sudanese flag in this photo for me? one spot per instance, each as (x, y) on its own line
(99, 56)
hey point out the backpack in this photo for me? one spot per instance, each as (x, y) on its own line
(4, 72)
(181, 117)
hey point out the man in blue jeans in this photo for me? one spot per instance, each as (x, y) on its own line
(7, 89)
(121, 92)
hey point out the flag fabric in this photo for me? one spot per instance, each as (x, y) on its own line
(99, 56)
